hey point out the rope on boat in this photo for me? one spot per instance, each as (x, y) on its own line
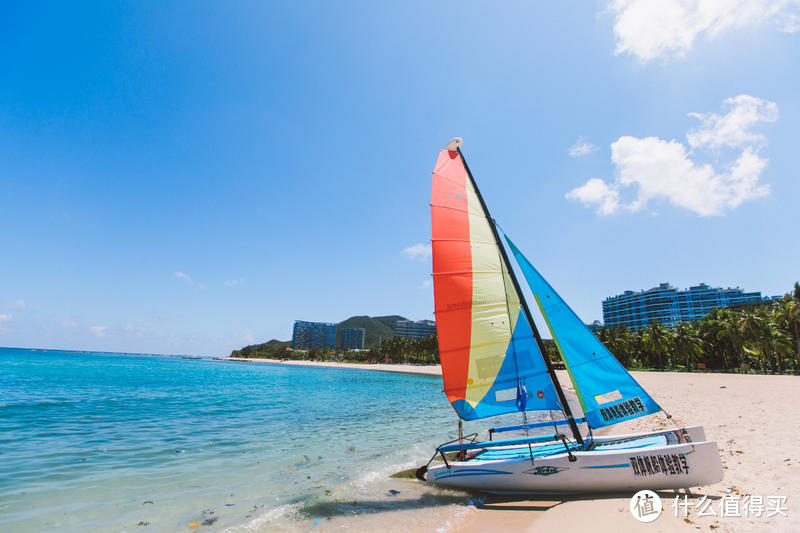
(681, 427)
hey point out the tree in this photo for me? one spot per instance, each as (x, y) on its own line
(722, 339)
(657, 342)
(788, 317)
(687, 344)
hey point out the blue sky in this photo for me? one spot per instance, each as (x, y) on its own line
(190, 178)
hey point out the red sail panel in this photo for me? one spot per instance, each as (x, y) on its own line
(452, 271)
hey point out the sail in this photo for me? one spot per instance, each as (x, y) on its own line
(607, 392)
(491, 364)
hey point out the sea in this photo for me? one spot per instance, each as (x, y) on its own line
(124, 442)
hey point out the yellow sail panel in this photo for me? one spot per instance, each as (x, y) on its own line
(491, 323)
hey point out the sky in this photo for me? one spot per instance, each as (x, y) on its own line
(192, 177)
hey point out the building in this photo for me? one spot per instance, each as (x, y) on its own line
(670, 306)
(415, 330)
(595, 326)
(307, 335)
(351, 338)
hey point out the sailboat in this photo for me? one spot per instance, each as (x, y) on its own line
(494, 363)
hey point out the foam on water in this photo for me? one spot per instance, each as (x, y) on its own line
(98, 442)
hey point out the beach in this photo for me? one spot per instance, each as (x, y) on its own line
(428, 370)
(753, 419)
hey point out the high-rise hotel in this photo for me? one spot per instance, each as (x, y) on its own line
(669, 305)
(414, 329)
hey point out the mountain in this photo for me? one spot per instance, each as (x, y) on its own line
(377, 328)
(389, 320)
(276, 342)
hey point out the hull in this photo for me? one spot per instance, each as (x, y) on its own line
(614, 464)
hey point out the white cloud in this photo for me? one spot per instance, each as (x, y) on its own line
(596, 191)
(428, 283)
(651, 29)
(655, 168)
(234, 282)
(581, 147)
(98, 331)
(69, 324)
(188, 279)
(3, 320)
(733, 128)
(249, 338)
(419, 251)
(19, 304)
(663, 169)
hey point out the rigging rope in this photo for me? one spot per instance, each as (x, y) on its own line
(680, 425)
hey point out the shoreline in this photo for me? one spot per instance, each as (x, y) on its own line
(426, 370)
(436, 370)
(738, 412)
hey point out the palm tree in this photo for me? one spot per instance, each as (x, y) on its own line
(765, 337)
(750, 326)
(617, 340)
(787, 316)
(722, 336)
(657, 340)
(686, 343)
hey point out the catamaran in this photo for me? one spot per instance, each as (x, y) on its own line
(494, 363)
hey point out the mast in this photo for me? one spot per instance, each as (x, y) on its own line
(551, 372)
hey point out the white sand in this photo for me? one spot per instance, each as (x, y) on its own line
(432, 370)
(754, 420)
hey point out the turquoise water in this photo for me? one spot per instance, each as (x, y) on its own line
(101, 442)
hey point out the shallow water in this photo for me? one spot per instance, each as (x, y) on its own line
(111, 442)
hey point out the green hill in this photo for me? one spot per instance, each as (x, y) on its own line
(276, 342)
(389, 320)
(376, 330)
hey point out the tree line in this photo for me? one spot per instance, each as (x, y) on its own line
(396, 350)
(763, 338)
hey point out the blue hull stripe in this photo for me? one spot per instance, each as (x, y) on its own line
(471, 472)
(461, 474)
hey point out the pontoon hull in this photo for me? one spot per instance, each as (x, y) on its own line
(671, 466)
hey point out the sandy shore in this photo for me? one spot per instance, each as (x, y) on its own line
(754, 420)
(431, 370)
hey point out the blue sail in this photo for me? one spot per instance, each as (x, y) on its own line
(607, 392)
